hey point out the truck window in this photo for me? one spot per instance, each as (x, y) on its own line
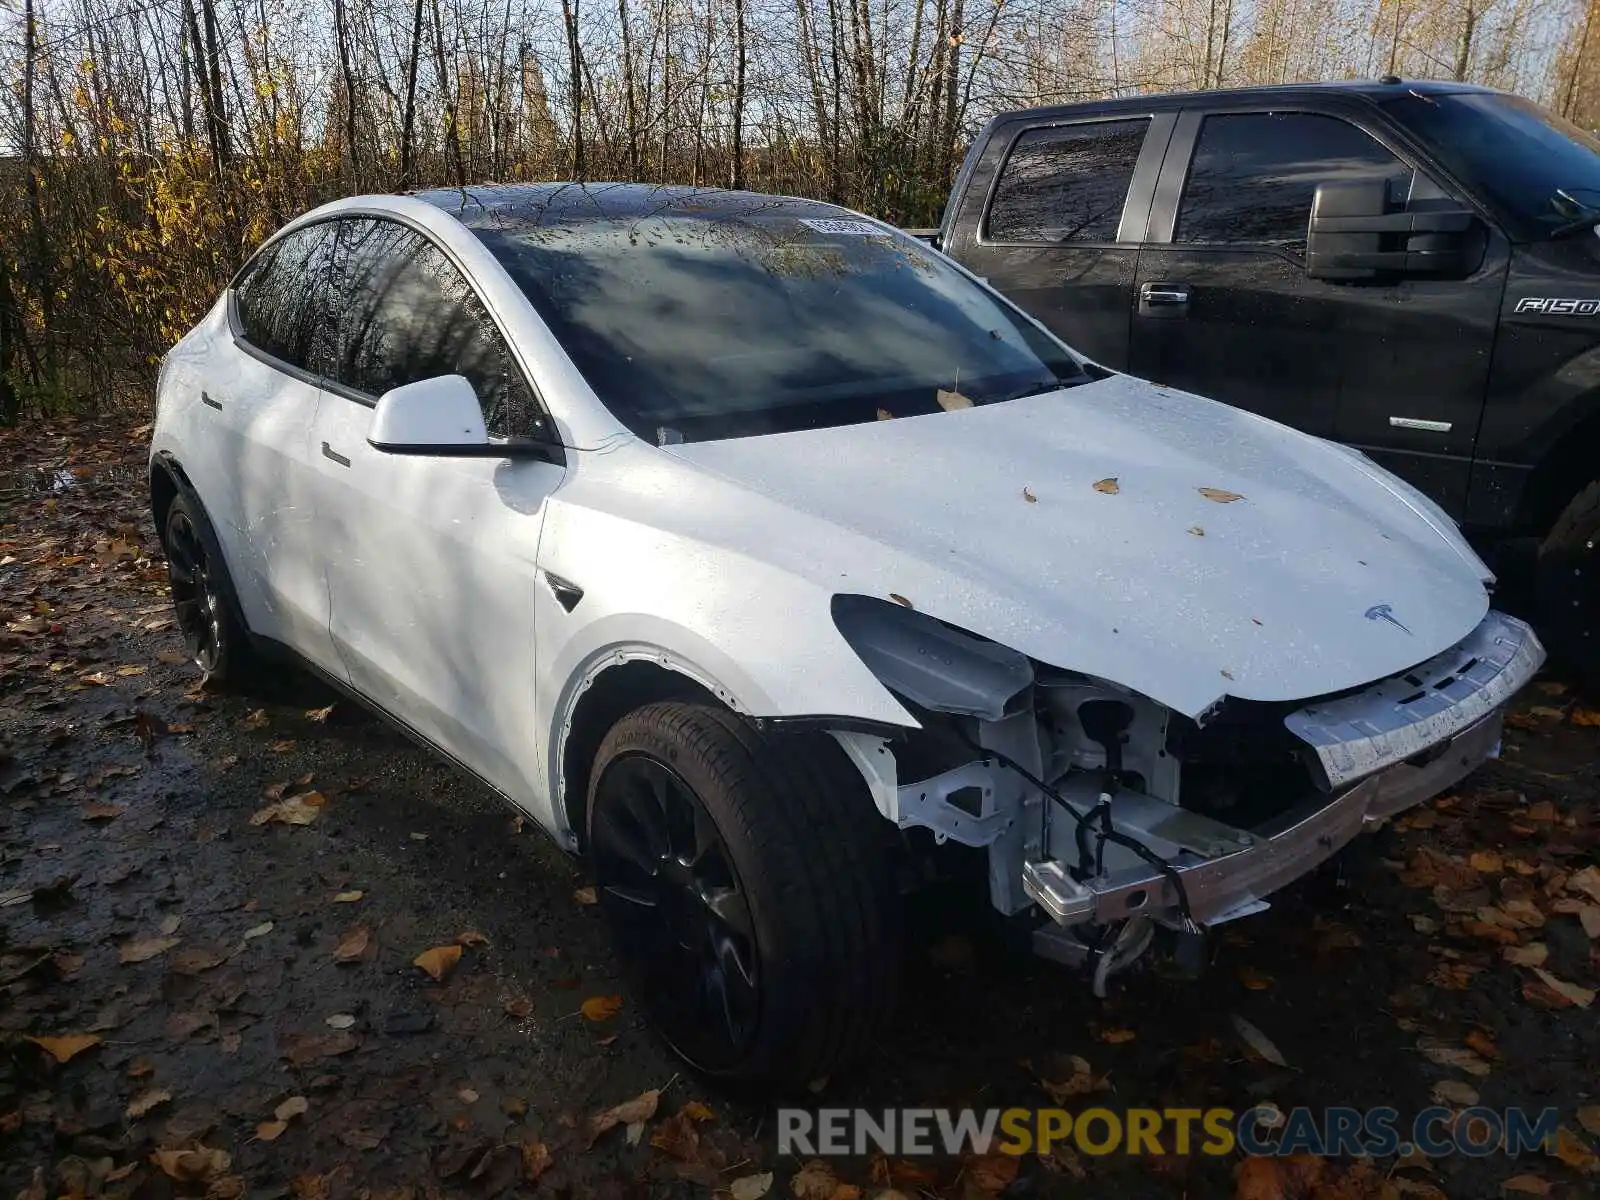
(1253, 175)
(1067, 183)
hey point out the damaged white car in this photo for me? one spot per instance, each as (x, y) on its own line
(770, 560)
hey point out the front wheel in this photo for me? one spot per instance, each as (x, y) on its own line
(744, 879)
(1568, 583)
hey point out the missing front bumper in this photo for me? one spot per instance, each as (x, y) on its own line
(1384, 749)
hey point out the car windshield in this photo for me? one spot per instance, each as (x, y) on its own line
(744, 316)
(1541, 169)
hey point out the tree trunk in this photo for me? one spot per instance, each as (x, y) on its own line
(736, 176)
(349, 92)
(569, 17)
(408, 117)
(630, 105)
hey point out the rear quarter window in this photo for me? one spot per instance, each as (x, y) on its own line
(281, 299)
(1066, 183)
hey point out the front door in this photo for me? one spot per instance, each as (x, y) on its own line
(1060, 234)
(1224, 306)
(431, 560)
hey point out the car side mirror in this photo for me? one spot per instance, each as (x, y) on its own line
(1355, 235)
(439, 416)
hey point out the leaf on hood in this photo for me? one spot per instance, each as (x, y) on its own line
(1258, 1041)
(601, 1008)
(1029, 496)
(439, 961)
(1219, 495)
(144, 949)
(67, 1046)
(194, 1165)
(901, 600)
(1199, 532)
(1107, 486)
(147, 1100)
(630, 1112)
(751, 1187)
(352, 945)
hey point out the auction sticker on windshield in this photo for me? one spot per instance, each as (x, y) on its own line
(838, 225)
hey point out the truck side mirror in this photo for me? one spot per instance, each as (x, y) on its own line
(1356, 236)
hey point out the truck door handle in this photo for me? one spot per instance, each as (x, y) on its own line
(329, 452)
(205, 398)
(1164, 293)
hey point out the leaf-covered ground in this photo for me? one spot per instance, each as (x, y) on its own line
(260, 945)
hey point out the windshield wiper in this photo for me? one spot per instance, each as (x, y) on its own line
(1039, 388)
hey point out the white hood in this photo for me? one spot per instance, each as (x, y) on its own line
(1325, 574)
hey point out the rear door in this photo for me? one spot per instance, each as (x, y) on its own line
(431, 571)
(262, 398)
(1225, 307)
(1053, 216)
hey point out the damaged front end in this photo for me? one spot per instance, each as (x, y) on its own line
(1115, 815)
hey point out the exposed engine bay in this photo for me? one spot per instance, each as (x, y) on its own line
(1112, 816)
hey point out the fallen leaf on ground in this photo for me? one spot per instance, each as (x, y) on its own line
(256, 931)
(301, 1048)
(1482, 1043)
(439, 961)
(630, 1112)
(993, 1172)
(145, 1101)
(1586, 716)
(348, 897)
(292, 810)
(1527, 1185)
(194, 1165)
(1219, 495)
(1486, 861)
(1575, 1152)
(519, 1007)
(1531, 955)
(536, 1160)
(193, 960)
(1453, 1056)
(67, 1046)
(352, 945)
(270, 1131)
(471, 937)
(1454, 1092)
(601, 1008)
(1258, 1041)
(1108, 486)
(1080, 1082)
(586, 895)
(102, 812)
(294, 1106)
(751, 1187)
(144, 949)
(1589, 1118)
(1586, 881)
(1572, 993)
(815, 1181)
(1115, 1037)
(320, 715)
(339, 1021)
(255, 719)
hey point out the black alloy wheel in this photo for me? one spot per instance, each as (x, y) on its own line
(197, 600)
(678, 910)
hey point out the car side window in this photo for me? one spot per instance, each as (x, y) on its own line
(1253, 175)
(407, 314)
(1066, 183)
(282, 299)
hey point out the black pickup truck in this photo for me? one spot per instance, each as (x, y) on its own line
(1410, 268)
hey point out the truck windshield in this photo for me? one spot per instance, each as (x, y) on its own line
(741, 319)
(1544, 171)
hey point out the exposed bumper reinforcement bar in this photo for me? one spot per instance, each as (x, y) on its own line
(1287, 848)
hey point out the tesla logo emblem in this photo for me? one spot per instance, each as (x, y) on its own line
(1384, 612)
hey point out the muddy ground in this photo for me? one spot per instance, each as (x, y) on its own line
(237, 1008)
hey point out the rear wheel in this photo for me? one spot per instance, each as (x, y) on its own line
(748, 895)
(1569, 586)
(202, 595)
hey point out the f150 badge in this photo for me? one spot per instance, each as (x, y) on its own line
(1564, 307)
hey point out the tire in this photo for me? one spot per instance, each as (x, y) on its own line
(1568, 583)
(808, 946)
(202, 595)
